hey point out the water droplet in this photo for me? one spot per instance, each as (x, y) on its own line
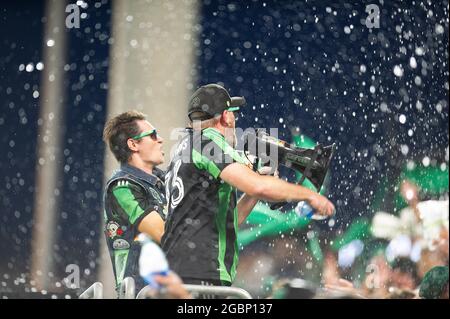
(398, 71)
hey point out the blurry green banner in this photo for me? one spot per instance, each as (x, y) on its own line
(359, 229)
(267, 222)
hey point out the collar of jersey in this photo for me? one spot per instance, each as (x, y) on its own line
(213, 130)
(152, 179)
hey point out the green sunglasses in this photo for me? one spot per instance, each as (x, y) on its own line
(233, 108)
(153, 134)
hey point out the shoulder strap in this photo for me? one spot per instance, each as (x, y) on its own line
(125, 176)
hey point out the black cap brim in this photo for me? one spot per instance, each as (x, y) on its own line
(237, 101)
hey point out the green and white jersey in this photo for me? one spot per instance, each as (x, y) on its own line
(202, 223)
(130, 195)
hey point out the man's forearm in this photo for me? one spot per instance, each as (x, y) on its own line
(245, 206)
(276, 190)
(272, 189)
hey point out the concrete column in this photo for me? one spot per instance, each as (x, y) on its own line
(49, 141)
(151, 69)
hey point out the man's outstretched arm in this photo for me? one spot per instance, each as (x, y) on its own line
(272, 189)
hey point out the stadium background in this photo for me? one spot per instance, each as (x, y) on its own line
(306, 65)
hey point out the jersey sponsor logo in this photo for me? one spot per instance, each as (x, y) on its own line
(114, 229)
(156, 195)
(122, 183)
(121, 244)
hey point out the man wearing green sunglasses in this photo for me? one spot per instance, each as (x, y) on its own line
(134, 199)
(203, 210)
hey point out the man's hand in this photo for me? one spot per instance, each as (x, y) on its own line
(267, 170)
(173, 285)
(321, 205)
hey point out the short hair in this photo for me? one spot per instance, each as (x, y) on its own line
(118, 130)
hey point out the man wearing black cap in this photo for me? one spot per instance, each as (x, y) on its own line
(201, 183)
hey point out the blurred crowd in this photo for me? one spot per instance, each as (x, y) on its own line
(409, 259)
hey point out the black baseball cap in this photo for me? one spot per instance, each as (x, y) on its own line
(210, 100)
